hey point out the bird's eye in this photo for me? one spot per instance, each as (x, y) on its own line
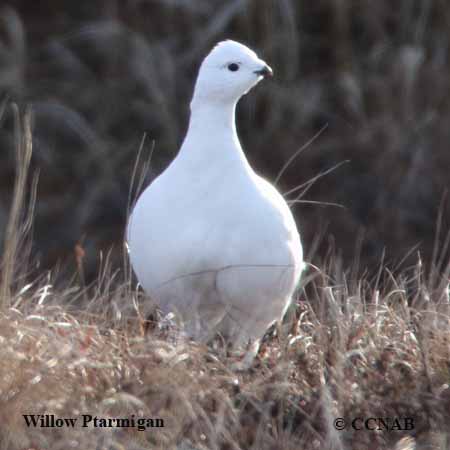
(233, 67)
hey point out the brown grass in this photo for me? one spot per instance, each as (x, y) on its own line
(353, 345)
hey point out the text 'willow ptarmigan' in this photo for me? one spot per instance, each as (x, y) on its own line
(210, 239)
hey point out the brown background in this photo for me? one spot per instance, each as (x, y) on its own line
(101, 74)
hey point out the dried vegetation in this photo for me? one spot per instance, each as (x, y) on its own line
(356, 343)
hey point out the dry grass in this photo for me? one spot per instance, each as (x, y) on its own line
(353, 345)
(356, 343)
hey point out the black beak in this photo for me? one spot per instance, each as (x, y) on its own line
(265, 72)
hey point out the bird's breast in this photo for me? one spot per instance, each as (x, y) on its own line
(192, 226)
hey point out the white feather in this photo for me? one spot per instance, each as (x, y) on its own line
(209, 238)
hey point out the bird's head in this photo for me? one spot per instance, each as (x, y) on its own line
(228, 72)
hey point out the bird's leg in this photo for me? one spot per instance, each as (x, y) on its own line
(249, 356)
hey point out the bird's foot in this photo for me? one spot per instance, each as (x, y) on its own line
(247, 361)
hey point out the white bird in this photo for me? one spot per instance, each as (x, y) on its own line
(209, 239)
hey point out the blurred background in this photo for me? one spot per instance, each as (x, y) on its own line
(101, 75)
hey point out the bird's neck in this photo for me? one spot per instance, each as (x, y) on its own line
(212, 133)
(213, 120)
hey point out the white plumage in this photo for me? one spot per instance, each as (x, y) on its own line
(210, 239)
